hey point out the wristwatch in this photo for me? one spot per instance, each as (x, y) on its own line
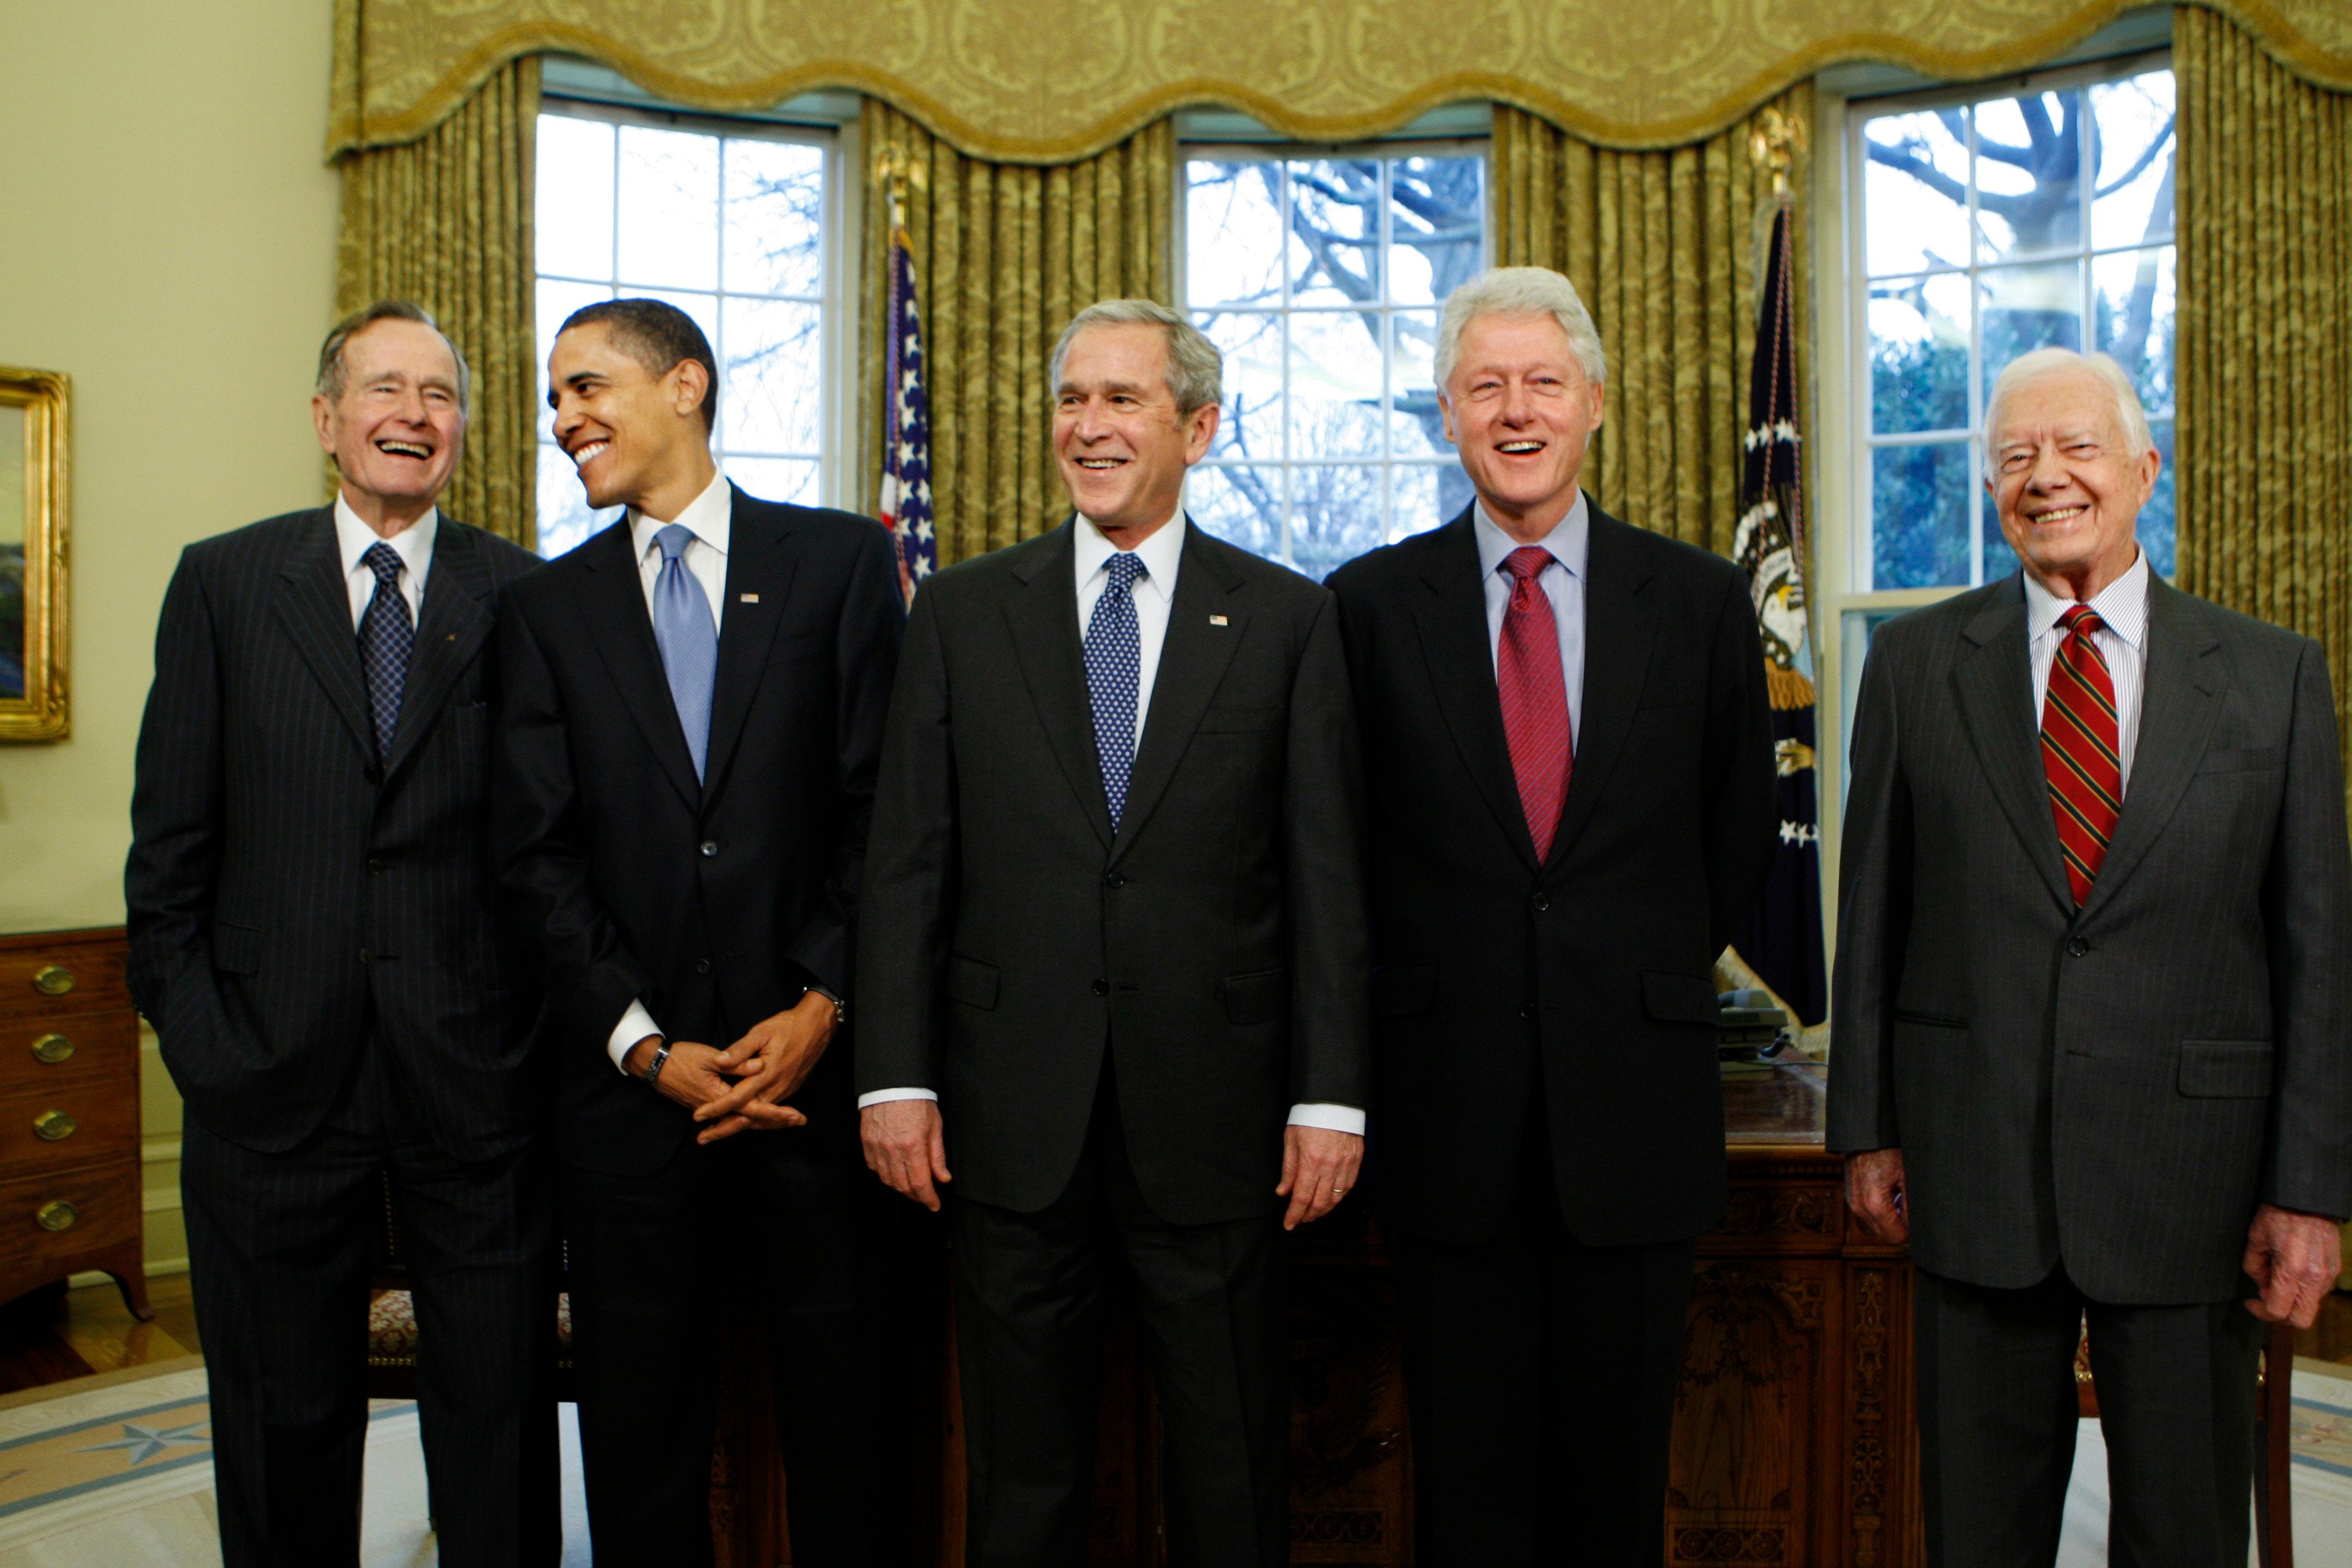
(653, 1068)
(840, 1008)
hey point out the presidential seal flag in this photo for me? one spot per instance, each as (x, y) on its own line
(1782, 940)
(906, 459)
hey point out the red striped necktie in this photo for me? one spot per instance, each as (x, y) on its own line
(1535, 696)
(2079, 749)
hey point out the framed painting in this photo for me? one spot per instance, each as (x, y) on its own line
(33, 470)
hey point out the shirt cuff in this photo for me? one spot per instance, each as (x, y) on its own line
(1330, 1118)
(635, 1025)
(884, 1096)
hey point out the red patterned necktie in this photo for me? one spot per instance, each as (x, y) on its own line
(2079, 751)
(1535, 696)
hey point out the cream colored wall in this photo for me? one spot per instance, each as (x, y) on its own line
(169, 242)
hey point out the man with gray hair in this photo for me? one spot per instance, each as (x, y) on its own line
(314, 935)
(1113, 961)
(1568, 756)
(2095, 942)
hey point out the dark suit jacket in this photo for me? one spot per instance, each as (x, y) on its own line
(287, 896)
(720, 901)
(2115, 1089)
(1216, 943)
(1597, 965)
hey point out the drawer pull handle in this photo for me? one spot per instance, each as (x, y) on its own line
(52, 980)
(52, 1049)
(53, 1125)
(55, 1214)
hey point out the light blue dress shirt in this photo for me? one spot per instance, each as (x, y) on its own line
(1562, 581)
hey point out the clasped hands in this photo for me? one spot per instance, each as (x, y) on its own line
(743, 1086)
(906, 1146)
(2292, 1258)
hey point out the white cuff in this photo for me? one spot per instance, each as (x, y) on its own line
(635, 1025)
(1330, 1118)
(884, 1096)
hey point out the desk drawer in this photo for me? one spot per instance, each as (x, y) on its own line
(71, 1125)
(65, 1215)
(41, 1052)
(37, 978)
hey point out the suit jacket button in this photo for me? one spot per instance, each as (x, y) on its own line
(375, 867)
(1542, 903)
(710, 848)
(1114, 881)
(366, 957)
(1102, 987)
(1527, 1011)
(2076, 947)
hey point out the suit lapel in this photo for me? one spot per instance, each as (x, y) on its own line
(1192, 661)
(1992, 679)
(449, 632)
(2182, 696)
(760, 564)
(1452, 625)
(613, 608)
(315, 606)
(1621, 626)
(1042, 618)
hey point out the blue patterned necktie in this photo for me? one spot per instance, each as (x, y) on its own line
(688, 639)
(1113, 675)
(386, 635)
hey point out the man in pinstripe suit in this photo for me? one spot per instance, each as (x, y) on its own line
(2093, 950)
(313, 936)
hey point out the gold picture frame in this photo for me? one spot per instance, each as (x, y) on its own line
(33, 423)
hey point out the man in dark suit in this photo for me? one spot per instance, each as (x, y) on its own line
(313, 935)
(1114, 954)
(2094, 937)
(1569, 753)
(691, 715)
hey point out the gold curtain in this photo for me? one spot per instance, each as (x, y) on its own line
(1005, 254)
(1665, 248)
(445, 221)
(2263, 357)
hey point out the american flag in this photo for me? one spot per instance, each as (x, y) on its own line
(907, 463)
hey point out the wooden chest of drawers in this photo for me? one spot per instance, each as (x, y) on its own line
(69, 1184)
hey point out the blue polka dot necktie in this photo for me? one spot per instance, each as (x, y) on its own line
(1113, 675)
(688, 639)
(386, 635)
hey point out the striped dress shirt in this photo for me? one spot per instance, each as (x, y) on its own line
(2122, 641)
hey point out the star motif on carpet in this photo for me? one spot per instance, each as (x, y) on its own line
(141, 1444)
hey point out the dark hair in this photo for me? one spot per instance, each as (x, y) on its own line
(331, 353)
(657, 335)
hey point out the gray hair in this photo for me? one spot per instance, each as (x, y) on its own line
(331, 353)
(1196, 371)
(2130, 418)
(1520, 291)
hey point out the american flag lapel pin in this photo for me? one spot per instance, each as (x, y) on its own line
(1216, 620)
(748, 598)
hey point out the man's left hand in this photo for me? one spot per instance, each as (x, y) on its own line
(771, 1060)
(2294, 1258)
(1318, 1166)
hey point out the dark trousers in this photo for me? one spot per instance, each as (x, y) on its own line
(278, 1249)
(1998, 1424)
(679, 1280)
(1030, 1293)
(1541, 1375)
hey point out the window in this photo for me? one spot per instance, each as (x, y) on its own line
(726, 221)
(1320, 277)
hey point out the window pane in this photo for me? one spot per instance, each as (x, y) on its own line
(1920, 354)
(1999, 560)
(1919, 516)
(669, 208)
(2132, 203)
(572, 229)
(2157, 530)
(2027, 308)
(1335, 386)
(2029, 176)
(793, 479)
(564, 521)
(557, 301)
(1437, 226)
(1335, 229)
(1421, 496)
(1416, 426)
(775, 216)
(2132, 303)
(1914, 192)
(1335, 515)
(1242, 506)
(1233, 233)
(1251, 425)
(774, 356)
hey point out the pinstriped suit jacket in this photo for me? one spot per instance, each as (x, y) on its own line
(288, 896)
(2117, 1089)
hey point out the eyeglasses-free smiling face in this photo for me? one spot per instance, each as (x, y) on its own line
(2066, 486)
(1122, 444)
(396, 430)
(1522, 412)
(629, 431)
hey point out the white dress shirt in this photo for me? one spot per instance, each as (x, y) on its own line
(2122, 640)
(413, 544)
(1562, 583)
(1154, 594)
(708, 517)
